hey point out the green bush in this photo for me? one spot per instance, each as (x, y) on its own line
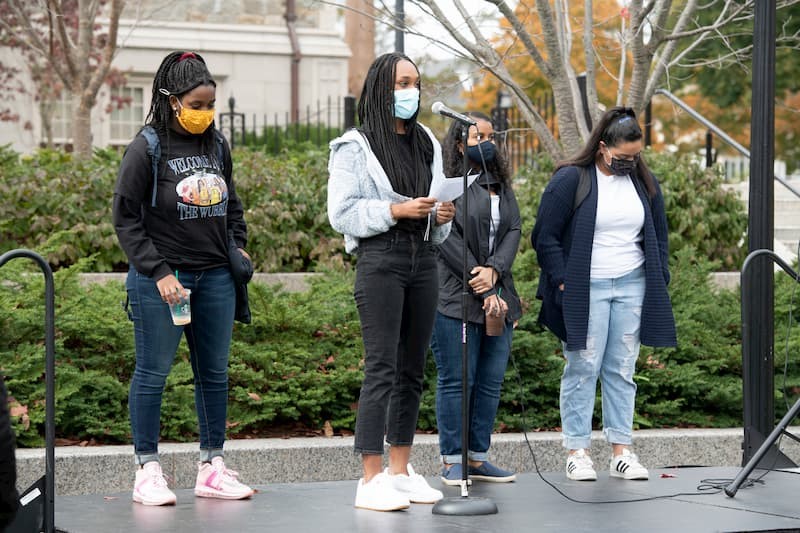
(300, 361)
(58, 203)
(53, 201)
(285, 199)
(64, 205)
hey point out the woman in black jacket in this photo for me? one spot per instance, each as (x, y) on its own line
(493, 233)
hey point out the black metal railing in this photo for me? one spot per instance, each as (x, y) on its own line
(42, 506)
(317, 124)
(758, 383)
(720, 133)
(518, 140)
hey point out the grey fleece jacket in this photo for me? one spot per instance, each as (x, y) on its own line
(360, 194)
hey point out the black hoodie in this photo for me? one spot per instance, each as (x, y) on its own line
(196, 206)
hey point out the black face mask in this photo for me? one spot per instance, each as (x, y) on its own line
(622, 167)
(487, 148)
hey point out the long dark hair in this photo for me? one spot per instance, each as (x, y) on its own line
(454, 159)
(376, 117)
(617, 125)
(179, 73)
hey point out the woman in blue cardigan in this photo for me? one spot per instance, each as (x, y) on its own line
(601, 241)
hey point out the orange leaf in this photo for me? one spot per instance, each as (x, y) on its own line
(254, 396)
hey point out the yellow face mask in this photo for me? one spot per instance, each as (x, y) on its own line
(194, 121)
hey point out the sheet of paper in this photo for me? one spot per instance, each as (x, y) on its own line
(449, 189)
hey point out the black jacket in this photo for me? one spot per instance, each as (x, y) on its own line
(478, 254)
(8, 466)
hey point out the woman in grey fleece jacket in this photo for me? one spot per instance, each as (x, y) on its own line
(378, 197)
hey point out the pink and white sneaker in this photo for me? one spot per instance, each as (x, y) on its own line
(150, 487)
(216, 481)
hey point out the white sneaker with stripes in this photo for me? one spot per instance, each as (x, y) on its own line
(627, 466)
(580, 467)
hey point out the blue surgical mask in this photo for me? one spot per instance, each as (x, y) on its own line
(487, 148)
(406, 103)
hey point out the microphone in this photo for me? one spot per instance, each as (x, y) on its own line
(441, 109)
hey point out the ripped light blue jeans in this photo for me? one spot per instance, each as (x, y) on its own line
(612, 348)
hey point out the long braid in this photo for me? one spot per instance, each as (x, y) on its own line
(179, 73)
(376, 116)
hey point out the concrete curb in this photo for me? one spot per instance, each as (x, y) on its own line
(298, 281)
(110, 469)
(289, 281)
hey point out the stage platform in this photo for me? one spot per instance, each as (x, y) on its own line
(528, 504)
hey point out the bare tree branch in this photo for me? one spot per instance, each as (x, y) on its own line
(523, 35)
(66, 43)
(108, 51)
(588, 53)
(719, 23)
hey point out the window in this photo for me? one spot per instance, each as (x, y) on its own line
(127, 115)
(61, 119)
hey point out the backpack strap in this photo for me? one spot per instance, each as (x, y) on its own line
(154, 152)
(583, 188)
(220, 149)
(585, 185)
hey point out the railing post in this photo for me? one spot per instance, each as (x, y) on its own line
(50, 383)
(758, 380)
(349, 112)
(709, 149)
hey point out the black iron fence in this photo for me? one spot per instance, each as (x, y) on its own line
(326, 120)
(318, 124)
(519, 142)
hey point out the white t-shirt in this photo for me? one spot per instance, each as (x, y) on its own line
(495, 222)
(616, 249)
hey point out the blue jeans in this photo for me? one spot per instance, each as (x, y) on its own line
(208, 336)
(488, 357)
(612, 348)
(396, 290)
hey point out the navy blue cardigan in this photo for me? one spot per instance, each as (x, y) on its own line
(563, 243)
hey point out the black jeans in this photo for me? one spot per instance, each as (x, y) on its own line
(396, 291)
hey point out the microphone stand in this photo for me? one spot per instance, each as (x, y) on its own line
(464, 504)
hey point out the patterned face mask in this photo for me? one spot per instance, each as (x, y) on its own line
(622, 167)
(195, 121)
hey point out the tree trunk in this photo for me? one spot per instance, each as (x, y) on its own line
(82, 127)
(46, 116)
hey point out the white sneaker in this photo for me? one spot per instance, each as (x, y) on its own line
(150, 487)
(414, 487)
(627, 466)
(380, 495)
(579, 467)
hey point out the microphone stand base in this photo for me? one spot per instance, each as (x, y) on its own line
(465, 506)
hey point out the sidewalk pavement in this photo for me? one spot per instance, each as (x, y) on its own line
(110, 469)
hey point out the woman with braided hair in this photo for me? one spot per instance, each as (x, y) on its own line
(380, 177)
(177, 243)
